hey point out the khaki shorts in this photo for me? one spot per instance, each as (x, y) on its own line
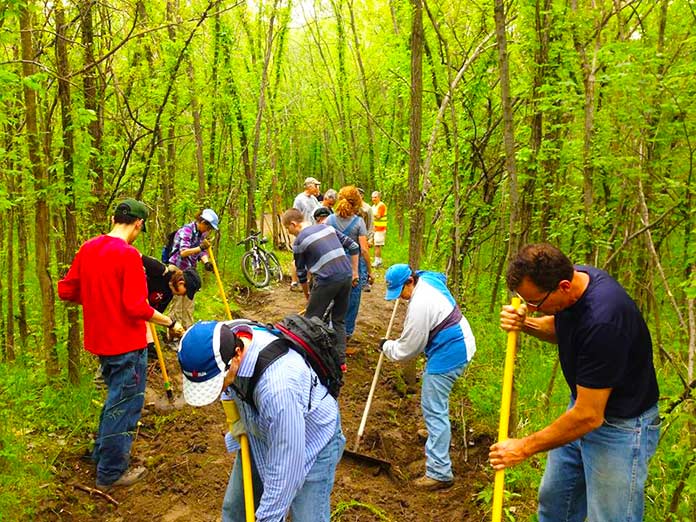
(379, 237)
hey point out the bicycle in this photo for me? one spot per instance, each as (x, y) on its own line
(259, 266)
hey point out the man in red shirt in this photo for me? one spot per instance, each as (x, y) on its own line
(108, 280)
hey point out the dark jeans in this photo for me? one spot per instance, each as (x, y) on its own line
(124, 376)
(355, 297)
(319, 299)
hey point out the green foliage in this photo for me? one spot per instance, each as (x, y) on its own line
(38, 421)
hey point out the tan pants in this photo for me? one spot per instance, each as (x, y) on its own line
(181, 309)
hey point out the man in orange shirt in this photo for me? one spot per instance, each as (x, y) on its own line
(107, 279)
(379, 211)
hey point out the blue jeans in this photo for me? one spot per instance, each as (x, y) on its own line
(601, 476)
(435, 394)
(125, 376)
(312, 503)
(355, 297)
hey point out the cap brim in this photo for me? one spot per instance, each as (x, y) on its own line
(203, 393)
(393, 293)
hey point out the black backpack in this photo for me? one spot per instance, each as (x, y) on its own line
(167, 249)
(313, 339)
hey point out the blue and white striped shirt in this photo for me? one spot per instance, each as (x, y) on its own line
(285, 436)
(319, 249)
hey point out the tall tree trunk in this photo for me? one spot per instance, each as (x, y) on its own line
(95, 128)
(40, 174)
(366, 96)
(213, 102)
(508, 127)
(415, 136)
(9, 274)
(197, 130)
(416, 217)
(510, 165)
(70, 245)
(251, 181)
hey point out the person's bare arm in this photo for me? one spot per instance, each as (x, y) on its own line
(586, 415)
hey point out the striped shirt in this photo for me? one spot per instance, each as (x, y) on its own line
(186, 237)
(319, 249)
(285, 436)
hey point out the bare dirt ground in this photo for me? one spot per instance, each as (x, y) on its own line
(183, 449)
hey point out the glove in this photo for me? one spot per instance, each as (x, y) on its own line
(171, 269)
(177, 329)
(208, 266)
(381, 343)
(205, 245)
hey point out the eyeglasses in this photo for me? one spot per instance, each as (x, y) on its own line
(538, 304)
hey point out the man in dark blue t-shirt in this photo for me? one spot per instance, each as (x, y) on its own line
(601, 446)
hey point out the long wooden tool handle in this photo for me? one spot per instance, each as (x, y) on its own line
(231, 410)
(232, 414)
(160, 358)
(219, 283)
(499, 485)
(361, 429)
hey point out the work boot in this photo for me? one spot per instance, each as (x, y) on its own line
(422, 434)
(430, 484)
(129, 477)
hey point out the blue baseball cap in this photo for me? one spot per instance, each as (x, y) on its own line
(205, 351)
(396, 278)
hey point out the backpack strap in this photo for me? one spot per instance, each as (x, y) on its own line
(346, 231)
(245, 386)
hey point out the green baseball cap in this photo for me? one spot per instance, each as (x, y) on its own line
(133, 208)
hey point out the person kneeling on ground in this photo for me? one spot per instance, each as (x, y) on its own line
(433, 324)
(291, 420)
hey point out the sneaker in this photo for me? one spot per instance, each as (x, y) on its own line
(430, 484)
(129, 477)
(295, 286)
(367, 288)
(376, 264)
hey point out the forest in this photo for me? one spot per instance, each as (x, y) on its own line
(485, 124)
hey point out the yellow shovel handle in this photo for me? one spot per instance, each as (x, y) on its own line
(233, 414)
(219, 283)
(499, 484)
(160, 358)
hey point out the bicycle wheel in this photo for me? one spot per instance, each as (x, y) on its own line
(274, 268)
(255, 270)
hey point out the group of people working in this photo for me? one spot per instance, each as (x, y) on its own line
(599, 448)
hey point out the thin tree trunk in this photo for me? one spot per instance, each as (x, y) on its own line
(197, 130)
(70, 244)
(40, 174)
(508, 128)
(366, 97)
(95, 127)
(416, 217)
(251, 181)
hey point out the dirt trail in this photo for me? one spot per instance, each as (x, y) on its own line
(188, 467)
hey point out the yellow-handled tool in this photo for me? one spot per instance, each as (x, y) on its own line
(510, 352)
(233, 415)
(160, 358)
